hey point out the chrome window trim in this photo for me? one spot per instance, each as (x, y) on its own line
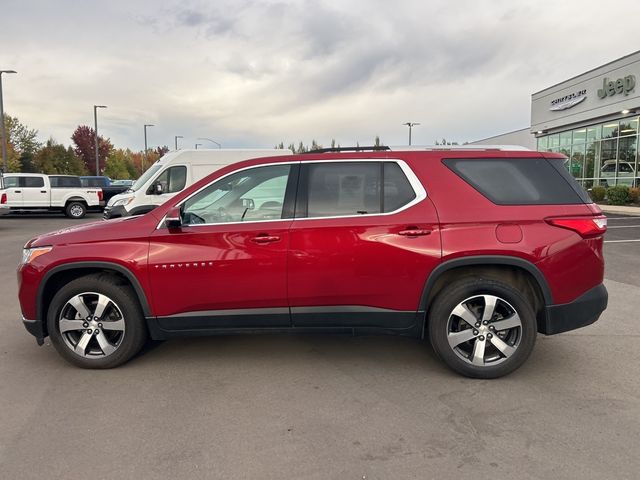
(416, 185)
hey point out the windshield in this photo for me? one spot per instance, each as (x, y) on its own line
(146, 176)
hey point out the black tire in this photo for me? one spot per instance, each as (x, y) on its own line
(124, 301)
(444, 325)
(75, 210)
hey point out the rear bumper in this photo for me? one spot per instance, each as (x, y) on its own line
(35, 328)
(4, 210)
(583, 311)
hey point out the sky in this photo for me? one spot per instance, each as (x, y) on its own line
(253, 73)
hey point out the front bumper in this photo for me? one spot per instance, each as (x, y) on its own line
(583, 311)
(115, 212)
(35, 328)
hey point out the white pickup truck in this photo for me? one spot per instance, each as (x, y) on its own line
(33, 191)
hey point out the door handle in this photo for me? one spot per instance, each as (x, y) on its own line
(414, 232)
(17, 191)
(43, 191)
(263, 239)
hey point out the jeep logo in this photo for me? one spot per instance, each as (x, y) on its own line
(621, 85)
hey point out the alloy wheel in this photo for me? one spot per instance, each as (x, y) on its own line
(484, 330)
(92, 325)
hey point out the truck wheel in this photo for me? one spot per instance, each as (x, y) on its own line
(482, 328)
(75, 210)
(96, 322)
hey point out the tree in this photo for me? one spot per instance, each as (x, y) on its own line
(119, 165)
(160, 151)
(55, 158)
(445, 142)
(84, 139)
(23, 138)
(22, 144)
(376, 142)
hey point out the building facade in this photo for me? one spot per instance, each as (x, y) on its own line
(593, 119)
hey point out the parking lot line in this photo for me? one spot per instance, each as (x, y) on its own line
(621, 241)
(622, 218)
(624, 226)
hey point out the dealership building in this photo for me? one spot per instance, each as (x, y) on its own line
(592, 119)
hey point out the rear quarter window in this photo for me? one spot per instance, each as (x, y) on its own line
(520, 181)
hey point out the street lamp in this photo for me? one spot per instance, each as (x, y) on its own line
(212, 141)
(176, 140)
(4, 133)
(410, 125)
(95, 122)
(198, 145)
(145, 141)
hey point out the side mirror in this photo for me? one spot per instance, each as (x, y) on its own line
(173, 219)
(158, 189)
(248, 204)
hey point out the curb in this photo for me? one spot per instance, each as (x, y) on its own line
(620, 210)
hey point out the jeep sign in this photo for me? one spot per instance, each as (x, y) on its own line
(613, 87)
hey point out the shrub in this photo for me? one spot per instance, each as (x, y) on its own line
(634, 194)
(597, 193)
(618, 195)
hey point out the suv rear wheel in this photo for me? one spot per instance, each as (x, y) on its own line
(482, 328)
(95, 322)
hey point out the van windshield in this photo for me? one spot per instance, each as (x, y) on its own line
(146, 176)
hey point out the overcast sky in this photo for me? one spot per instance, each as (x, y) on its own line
(253, 73)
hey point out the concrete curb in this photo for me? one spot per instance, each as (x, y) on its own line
(620, 210)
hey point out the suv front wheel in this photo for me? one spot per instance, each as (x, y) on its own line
(482, 328)
(96, 322)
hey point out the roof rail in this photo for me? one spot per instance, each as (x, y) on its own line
(467, 146)
(378, 148)
(349, 149)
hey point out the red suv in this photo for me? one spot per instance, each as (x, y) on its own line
(476, 249)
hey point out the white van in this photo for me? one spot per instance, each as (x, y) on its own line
(174, 172)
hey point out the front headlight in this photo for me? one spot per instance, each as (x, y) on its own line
(30, 254)
(122, 201)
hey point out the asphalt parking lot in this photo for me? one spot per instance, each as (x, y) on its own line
(324, 407)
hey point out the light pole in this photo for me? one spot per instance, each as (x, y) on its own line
(198, 145)
(176, 140)
(212, 141)
(145, 141)
(410, 125)
(95, 122)
(4, 133)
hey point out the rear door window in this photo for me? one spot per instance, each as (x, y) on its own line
(520, 181)
(338, 189)
(31, 182)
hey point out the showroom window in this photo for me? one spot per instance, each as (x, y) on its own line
(604, 154)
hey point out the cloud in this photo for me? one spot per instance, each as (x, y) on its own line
(255, 72)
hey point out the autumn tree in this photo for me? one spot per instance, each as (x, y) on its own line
(84, 140)
(55, 158)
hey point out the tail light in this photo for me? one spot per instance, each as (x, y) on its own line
(100, 195)
(586, 227)
(3, 199)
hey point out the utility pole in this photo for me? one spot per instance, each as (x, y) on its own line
(410, 125)
(4, 133)
(95, 122)
(145, 142)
